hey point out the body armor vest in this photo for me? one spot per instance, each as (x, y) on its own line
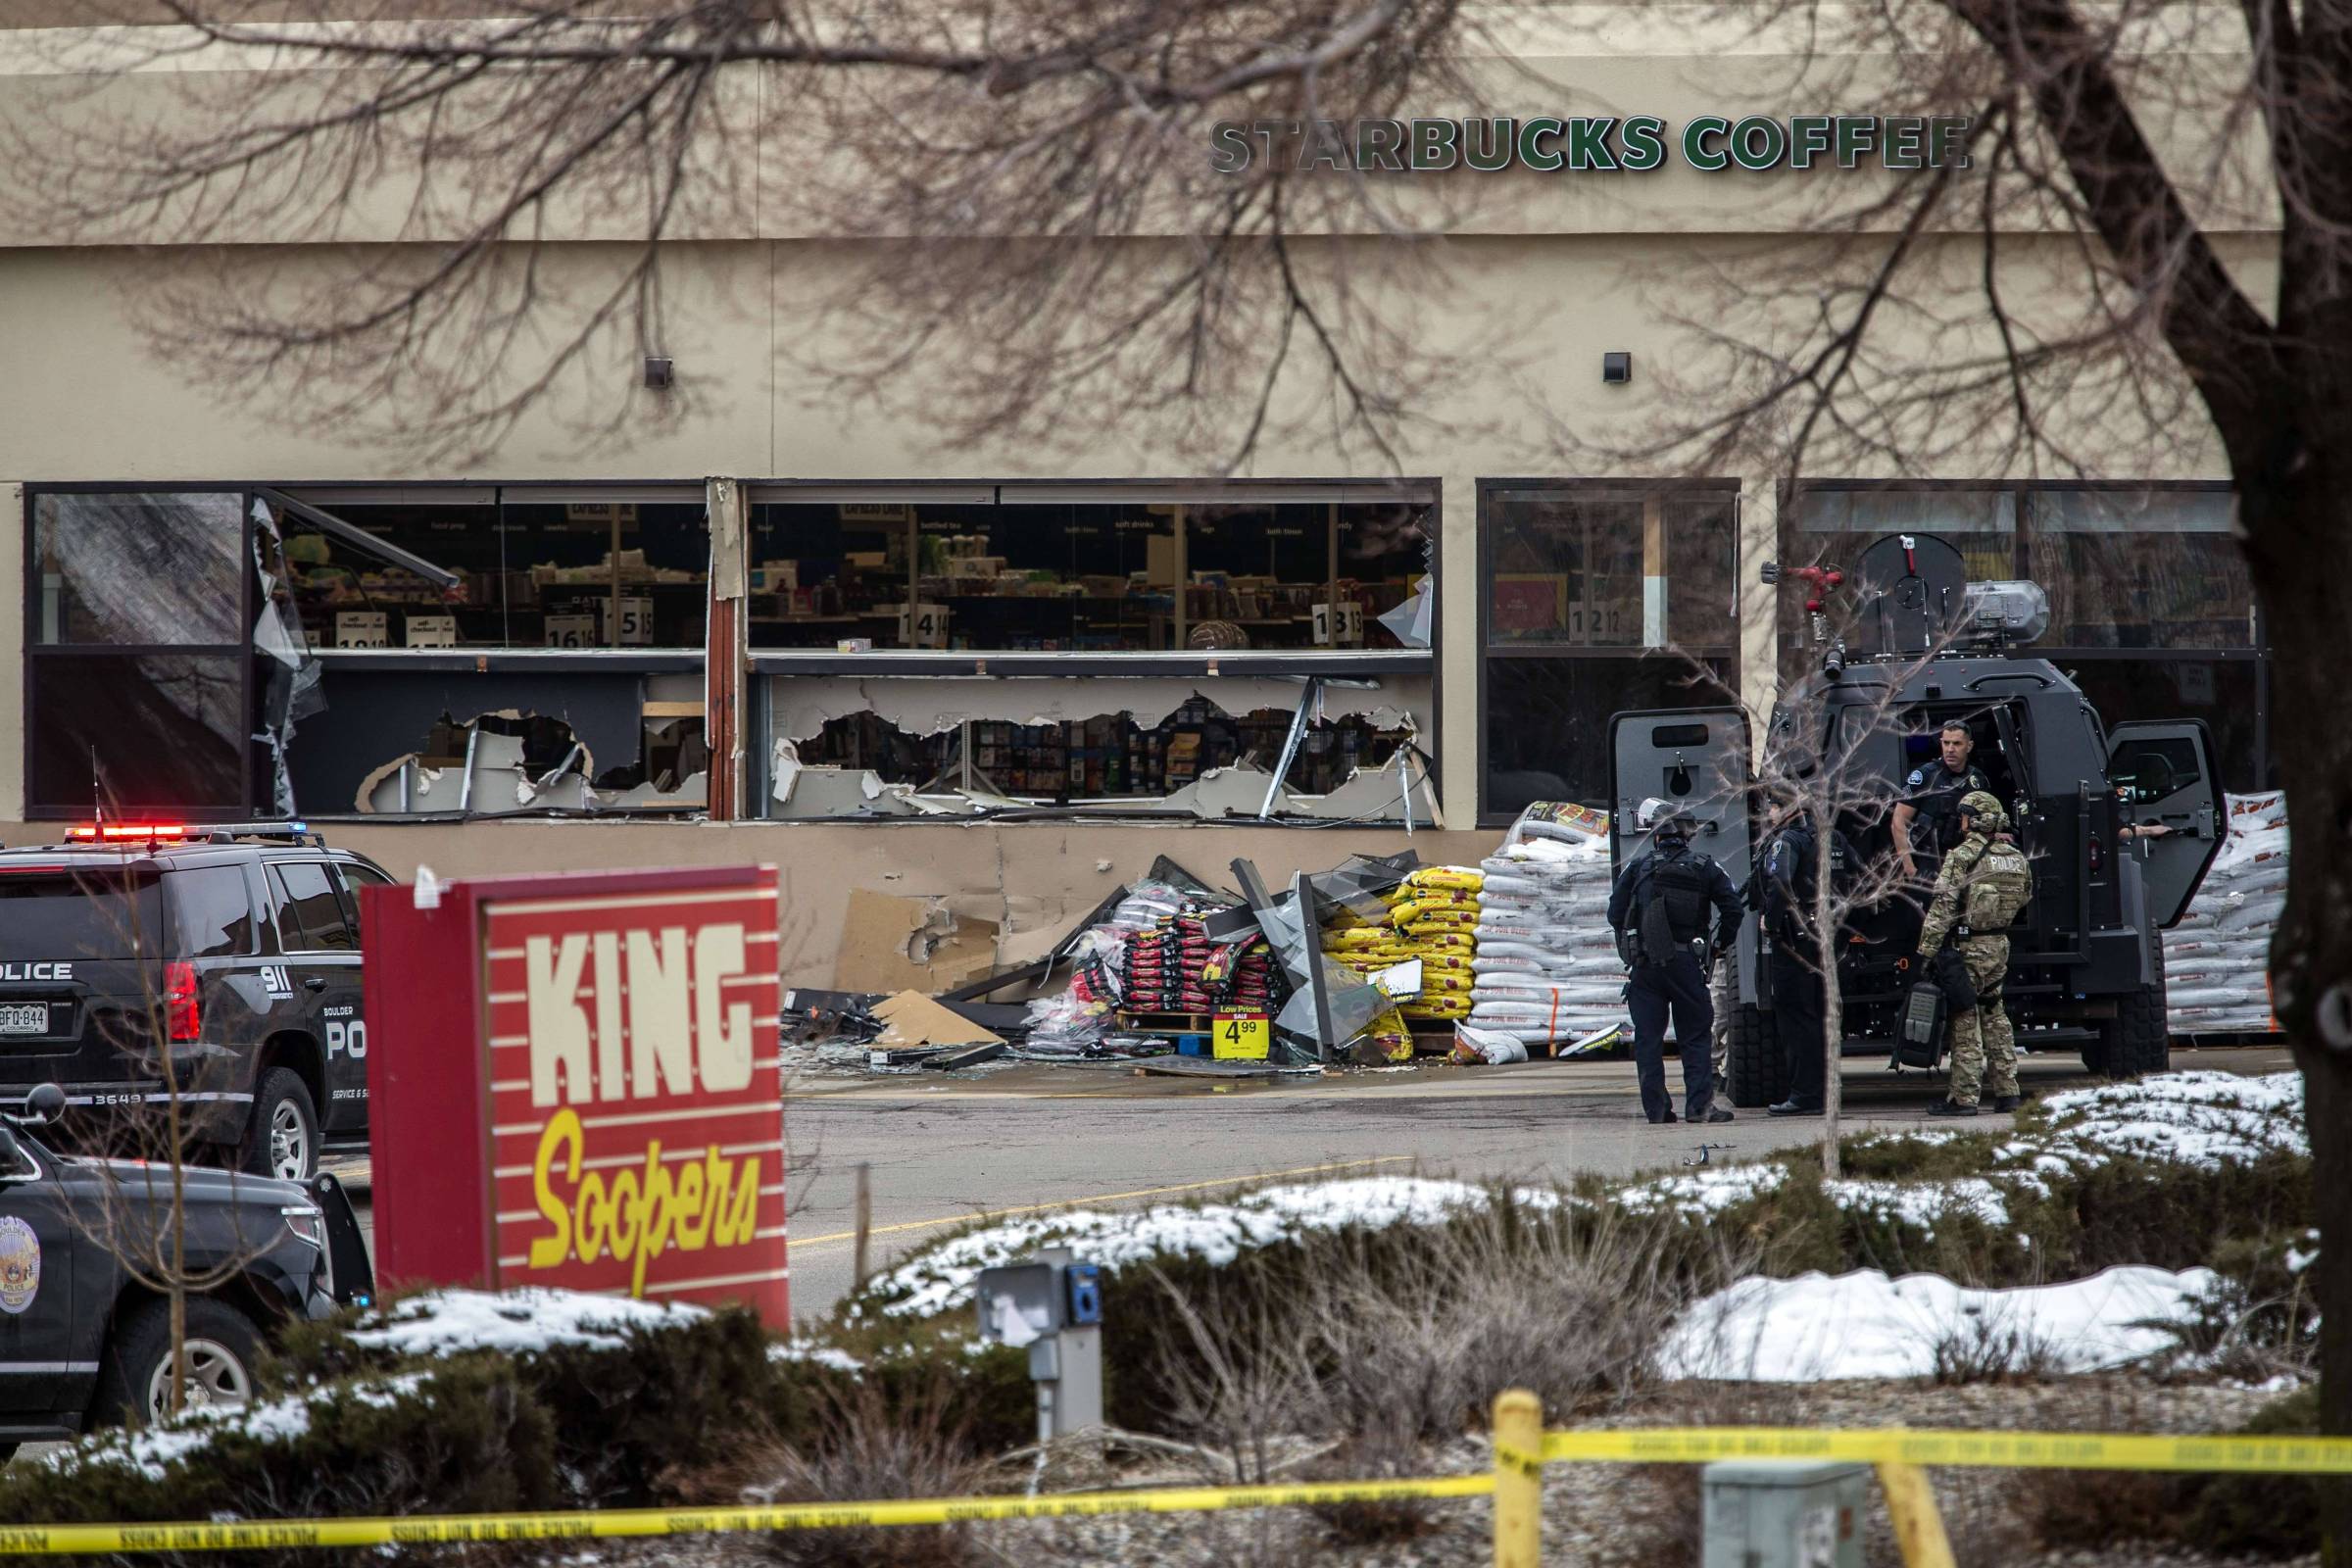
(2000, 886)
(1673, 903)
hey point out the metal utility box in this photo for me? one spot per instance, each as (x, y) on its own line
(1784, 1513)
(1052, 1305)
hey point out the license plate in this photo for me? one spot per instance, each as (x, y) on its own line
(24, 1018)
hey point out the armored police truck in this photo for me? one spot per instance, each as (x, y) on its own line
(1925, 650)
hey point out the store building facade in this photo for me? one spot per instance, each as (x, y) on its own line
(998, 681)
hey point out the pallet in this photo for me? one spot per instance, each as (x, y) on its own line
(1172, 1023)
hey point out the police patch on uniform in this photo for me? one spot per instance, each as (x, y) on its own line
(19, 1264)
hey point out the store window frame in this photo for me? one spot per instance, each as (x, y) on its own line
(1489, 650)
(37, 653)
(326, 495)
(2023, 539)
(915, 662)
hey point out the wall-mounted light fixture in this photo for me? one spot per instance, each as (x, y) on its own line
(658, 373)
(1616, 367)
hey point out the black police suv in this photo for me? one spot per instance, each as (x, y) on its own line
(234, 948)
(1930, 649)
(83, 1342)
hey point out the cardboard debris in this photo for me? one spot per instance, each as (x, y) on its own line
(893, 944)
(910, 1020)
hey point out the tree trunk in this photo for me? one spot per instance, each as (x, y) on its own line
(1832, 998)
(2300, 544)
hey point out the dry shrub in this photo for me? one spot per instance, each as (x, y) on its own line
(864, 1446)
(1990, 1346)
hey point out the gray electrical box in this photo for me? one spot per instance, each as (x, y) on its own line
(1784, 1513)
(1051, 1305)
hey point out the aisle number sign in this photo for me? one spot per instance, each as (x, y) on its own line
(1240, 1037)
(1348, 617)
(923, 625)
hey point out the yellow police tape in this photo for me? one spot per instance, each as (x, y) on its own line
(52, 1540)
(2005, 1451)
(2070, 1450)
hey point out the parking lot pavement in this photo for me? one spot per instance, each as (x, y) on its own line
(940, 1153)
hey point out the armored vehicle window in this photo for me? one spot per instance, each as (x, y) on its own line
(311, 904)
(68, 915)
(210, 913)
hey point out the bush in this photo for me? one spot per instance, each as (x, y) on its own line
(465, 1438)
(865, 1442)
(678, 1397)
(2263, 1516)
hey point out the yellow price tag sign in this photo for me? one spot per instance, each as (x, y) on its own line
(1241, 1036)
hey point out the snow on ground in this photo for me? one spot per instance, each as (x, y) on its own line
(941, 1280)
(1921, 1206)
(517, 1321)
(1865, 1325)
(1702, 1193)
(2190, 1118)
(149, 1450)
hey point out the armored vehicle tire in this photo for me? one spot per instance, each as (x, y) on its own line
(1752, 1060)
(282, 1140)
(134, 1381)
(2138, 1039)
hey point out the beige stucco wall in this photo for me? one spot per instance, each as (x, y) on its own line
(1544, 274)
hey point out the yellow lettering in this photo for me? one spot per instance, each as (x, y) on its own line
(694, 1216)
(742, 1215)
(627, 1219)
(590, 1205)
(707, 1202)
(654, 1233)
(562, 1132)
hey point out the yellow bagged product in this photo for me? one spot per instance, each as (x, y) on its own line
(1432, 905)
(1445, 963)
(1391, 1037)
(1437, 984)
(1436, 923)
(1366, 936)
(1457, 878)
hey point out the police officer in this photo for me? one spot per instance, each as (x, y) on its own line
(1785, 889)
(1924, 823)
(1985, 882)
(1658, 910)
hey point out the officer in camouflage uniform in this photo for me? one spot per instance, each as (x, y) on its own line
(1984, 881)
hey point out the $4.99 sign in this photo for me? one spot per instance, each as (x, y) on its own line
(630, 1117)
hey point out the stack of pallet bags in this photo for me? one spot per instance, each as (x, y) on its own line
(1545, 968)
(1431, 916)
(2216, 959)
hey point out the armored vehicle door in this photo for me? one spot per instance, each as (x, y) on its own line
(1694, 757)
(2164, 771)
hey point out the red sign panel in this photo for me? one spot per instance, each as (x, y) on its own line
(627, 1134)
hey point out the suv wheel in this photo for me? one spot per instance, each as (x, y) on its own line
(283, 1140)
(134, 1382)
(1752, 1061)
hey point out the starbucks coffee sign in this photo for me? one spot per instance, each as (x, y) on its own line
(1546, 144)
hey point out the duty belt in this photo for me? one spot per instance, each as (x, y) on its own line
(1963, 933)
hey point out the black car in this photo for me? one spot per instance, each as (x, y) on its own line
(2087, 954)
(234, 948)
(85, 1336)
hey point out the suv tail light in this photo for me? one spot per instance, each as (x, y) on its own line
(181, 1021)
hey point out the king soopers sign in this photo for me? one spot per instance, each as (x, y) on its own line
(1547, 143)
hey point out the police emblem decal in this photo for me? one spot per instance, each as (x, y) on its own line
(19, 1264)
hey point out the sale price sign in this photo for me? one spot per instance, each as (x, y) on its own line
(629, 1112)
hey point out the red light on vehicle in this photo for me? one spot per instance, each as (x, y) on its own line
(2098, 851)
(181, 1021)
(144, 832)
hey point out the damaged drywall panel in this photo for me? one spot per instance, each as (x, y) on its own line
(375, 716)
(889, 943)
(798, 706)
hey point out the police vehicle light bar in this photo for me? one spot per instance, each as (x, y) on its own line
(115, 832)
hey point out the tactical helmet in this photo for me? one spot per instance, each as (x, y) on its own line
(1985, 808)
(1673, 823)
